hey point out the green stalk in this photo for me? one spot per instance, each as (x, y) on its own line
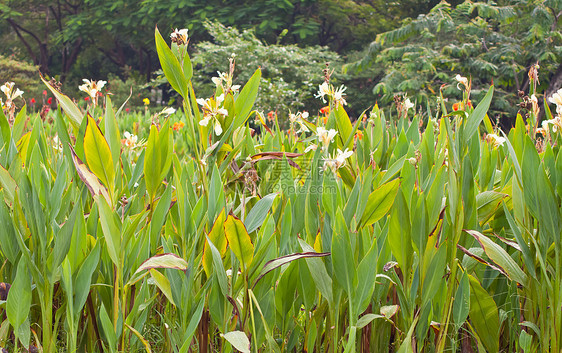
(47, 316)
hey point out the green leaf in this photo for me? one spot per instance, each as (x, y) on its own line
(18, 302)
(64, 238)
(74, 113)
(318, 272)
(163, 283)
(461, 303)
(98, 155)
(111, 231)
(219, 268)
(238, 340)
(342, 255)
(366, 319)
(484, 315)
(84, 278)
(257, 214)
(112, 132)
(239, 241)
(158, 157)
(379, 202)
(474, 120)
(497, 254)
(406, 346)
(217, 237)
(8, 184)
(171, 66)
(280, 261)
(246, 99)
(399, 233)
(108, 330)
(343, 124)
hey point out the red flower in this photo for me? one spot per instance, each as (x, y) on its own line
(50, 100)
(45, 92)
(127, 110)
(86, 98)
(456, 106)
(325, 110)
(32, 101)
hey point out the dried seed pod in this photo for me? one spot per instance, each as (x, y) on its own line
(4, 289)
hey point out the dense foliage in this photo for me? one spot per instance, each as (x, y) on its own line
(486, 41)
(191, 232)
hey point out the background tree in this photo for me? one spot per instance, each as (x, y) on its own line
(486, 41)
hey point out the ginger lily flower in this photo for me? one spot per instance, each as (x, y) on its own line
(408, 104)
(8, 89)
(179, 36)
(338, 161)
(461, 80)
(130, 140)
(92, 87)
(167, 111)
(495, 140)
(325, 89)
(211, 110)
(556, 98)
(325, 136)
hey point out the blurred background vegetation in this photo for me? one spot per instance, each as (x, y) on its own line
(377, 48)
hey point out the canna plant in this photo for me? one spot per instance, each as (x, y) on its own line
(406, 231)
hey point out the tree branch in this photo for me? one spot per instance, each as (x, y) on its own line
(25, 43)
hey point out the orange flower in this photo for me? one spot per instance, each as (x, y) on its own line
(460, 105)
(178, 126)
(325, 120)
(270, 115)
(325, 110)
(359, 135)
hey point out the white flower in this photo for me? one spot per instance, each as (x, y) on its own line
(304, 115)
(556, 124)
(342, 156)
(224, 80)
(325, 136)
(8, 89)
(495, 140)
(217, 128)
(211, 111)
(461, 80)
(130, 140)
(556, 98)
(408, 104)
(167, 111)
(338, 161)
(338, 95)
(57, 144)
(324, 90)
(92, 87)
(312, 147)
(535, 105)
(179, 36)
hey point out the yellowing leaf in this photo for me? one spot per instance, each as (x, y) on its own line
(168, 260)
(98, 154)
(217, 237)
(23, 144)
(91, 181)
(239, 241)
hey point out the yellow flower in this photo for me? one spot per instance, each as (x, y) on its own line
(146, 101)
